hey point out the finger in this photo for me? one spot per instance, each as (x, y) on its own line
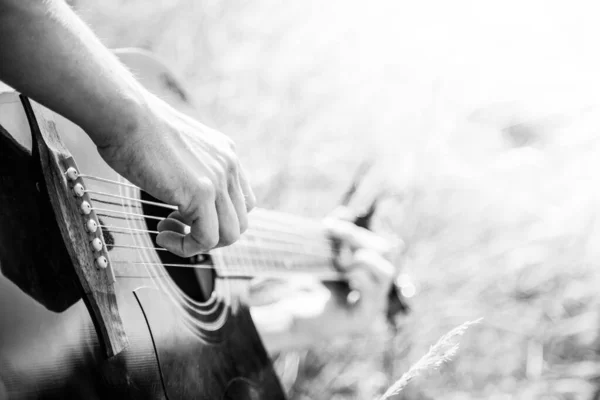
(229, 226)
(239, 203)
(356, 237)
(170, 224)
(203, 234)
(342, 213)
(173, 241)
(176, 215)
(365, 291)
(361, 281)
(381, 270)
(247, 191)
(344, 257)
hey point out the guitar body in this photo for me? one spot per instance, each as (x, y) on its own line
(181, 343)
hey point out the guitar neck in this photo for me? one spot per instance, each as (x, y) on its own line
(278, 244)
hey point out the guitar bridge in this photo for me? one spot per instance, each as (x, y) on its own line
(79, 227)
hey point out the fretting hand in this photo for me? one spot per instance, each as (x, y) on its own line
(364, 257)
(306, 311)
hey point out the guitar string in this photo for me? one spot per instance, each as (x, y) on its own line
(122, 184)
(175, 293)
(252, 226)
(153, 203)
(251, 233)
(105, 210)
(120, 218)
(243, 242)
(250, 258)
(238, 270)
(229, 255)
(115, 229)
(235, 268)
(130, 199)
(97, 178)
(229, 272)
(242, 269)
(143, 201)
(93, 177)
(178, 297)
(244, 239)
(328, 255)
(187, 302)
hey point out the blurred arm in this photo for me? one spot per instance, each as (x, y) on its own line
(50, 55)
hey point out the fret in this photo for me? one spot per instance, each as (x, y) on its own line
(323, 275)
(315, 242)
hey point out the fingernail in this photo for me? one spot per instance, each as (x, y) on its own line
(353, 297)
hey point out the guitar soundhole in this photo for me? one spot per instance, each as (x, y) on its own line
(108, 237)
(197, 286)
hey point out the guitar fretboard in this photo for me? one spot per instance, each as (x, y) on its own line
(277, 244)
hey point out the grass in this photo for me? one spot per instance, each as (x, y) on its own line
(496, 170)
(440, 353)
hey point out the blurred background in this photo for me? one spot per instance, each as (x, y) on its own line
(483, 117)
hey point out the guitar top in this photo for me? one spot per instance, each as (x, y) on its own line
(89, 307)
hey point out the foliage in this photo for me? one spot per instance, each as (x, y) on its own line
(484, 128)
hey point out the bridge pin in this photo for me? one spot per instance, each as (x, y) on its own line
(102, 262)
(96, 244)
(85, 208)
(91, 226)
(72, 173)
(78, 190)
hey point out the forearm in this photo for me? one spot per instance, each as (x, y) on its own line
(50, 55)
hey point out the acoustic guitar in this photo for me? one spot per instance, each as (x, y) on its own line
(91, 308)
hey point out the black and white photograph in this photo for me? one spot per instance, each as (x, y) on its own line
(299, 200)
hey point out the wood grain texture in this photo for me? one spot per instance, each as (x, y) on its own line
(96, 283)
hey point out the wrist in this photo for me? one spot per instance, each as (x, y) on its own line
(121, 119)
